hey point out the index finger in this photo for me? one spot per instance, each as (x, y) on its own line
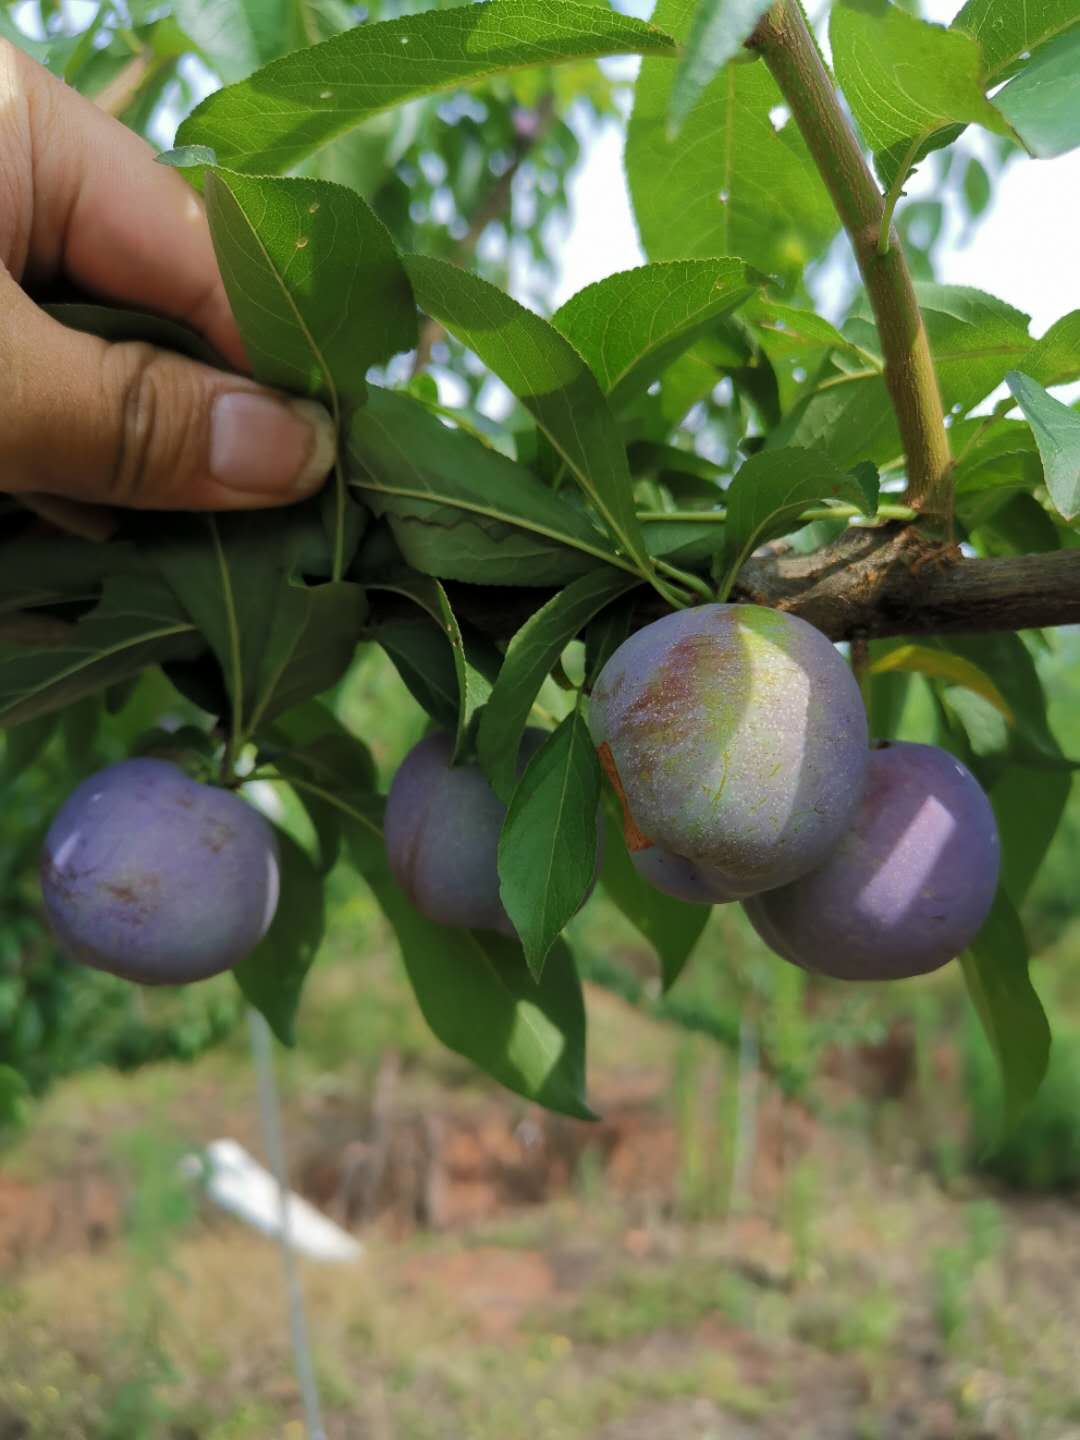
(110, 218)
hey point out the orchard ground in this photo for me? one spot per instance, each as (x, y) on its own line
(838, 1269)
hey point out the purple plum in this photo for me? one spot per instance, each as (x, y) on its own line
(737, 737)
(156, 878)
(442, 830)
(680, 878)
(909, 885)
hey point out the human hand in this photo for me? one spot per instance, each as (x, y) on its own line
(82, 198)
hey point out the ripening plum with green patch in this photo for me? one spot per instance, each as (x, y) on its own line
(156, 878)
(910, 885)
(736, 737)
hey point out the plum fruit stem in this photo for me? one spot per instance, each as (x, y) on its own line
(788, 47)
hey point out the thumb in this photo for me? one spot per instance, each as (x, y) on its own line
(128, 424)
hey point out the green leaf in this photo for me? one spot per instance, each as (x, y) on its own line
(928, 660)
(278, 641)
(273, 975)
(24, 743)
(1054, 359)
(730, 183)
(1041, 102)
(849, 417)
(419, 653)
(547, 848)
(313, 278)
(670, 927)
(306, 99)
(473, 684)
(604, 635)
(311, 749)
(996, 971)
(530, 655)
(630, 326)
(1006, 30)
(137, 623)
(1057, 433)
(717, 34)
(475, 991)
(550, 379)
(460, 510)
(974, 339)
(1029, 805)
(772, 489)
(234, 37)
(906, 82)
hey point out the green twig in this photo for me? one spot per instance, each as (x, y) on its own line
(787, 45)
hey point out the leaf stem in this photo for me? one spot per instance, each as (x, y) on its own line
(685, 577)
(817, 512)
(784, 40)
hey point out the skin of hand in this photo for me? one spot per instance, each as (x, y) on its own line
(82, 199)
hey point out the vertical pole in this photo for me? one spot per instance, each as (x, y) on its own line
(270, 1114)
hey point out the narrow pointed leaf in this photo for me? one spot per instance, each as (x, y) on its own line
(273, 975)
(1056, 428)
(719, 30)
(630, 326)
(1041, 103)
(460, 510)
(307, 99)
(547, 849)
(550, 379)
(530, 656)
(996, 971)
(136, 624)
(1006, 30)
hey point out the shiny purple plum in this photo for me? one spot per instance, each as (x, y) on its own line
(156, 878)
(907, 888)
(680, 878)
(737, 737)
(442, 828)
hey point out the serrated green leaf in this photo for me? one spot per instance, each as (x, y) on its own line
(530, 655)
(304, 100)
(1041, 103)
(906, 81)
(550, 379)
(718, 32)
(419, 653)
(1054, 359)
(473, 682)
(771, 490)
(136, 623)
(670, 927)
(996, 971)
(311, 749)
(273, 975)
(848, 417)
(974, 339)
(730, 183)
(1056, 428)
(1007, 30)
(474, 988)
(459, 509)
(1028, 805)
(547, 848)
(630, 326)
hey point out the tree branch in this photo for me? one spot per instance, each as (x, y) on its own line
(791, 53)
(890, 581)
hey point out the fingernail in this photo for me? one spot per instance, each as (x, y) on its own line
(261, 443)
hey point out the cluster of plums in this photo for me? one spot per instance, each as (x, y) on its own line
(736, 739)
